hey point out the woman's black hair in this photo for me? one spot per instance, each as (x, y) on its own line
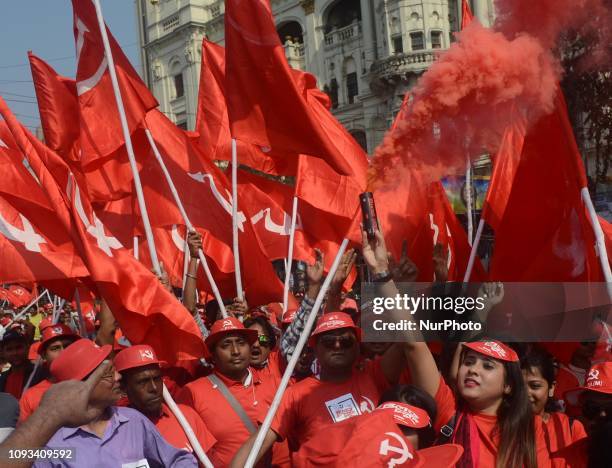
(538, 358)
(414, 396)
(267, 326)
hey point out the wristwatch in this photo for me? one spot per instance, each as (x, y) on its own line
(382, 277)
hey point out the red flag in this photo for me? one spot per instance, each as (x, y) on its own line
(545, 234)
(146, 312)
(33, 247)
(100, 126)
(18, 295)
(466, 14)
(205, 193)
(58, 109)
(265, 106)
(212, 121)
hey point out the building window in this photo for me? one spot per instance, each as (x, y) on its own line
(360, 137)
(352, 88)
(398, 46)
(179, 87)
(436, 40)
(182, 125)
(332, 92)
(416, 38)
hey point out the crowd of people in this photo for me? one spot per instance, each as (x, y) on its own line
(481, 402)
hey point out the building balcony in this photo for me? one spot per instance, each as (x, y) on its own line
(294, 51)
(401, 64)
(343, 35)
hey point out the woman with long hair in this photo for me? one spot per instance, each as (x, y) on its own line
(489, 414)
(539, 375)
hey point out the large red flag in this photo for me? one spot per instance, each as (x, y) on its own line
(33, 247)
(265, 106)
(466, 14)
(146, 312)
(205, 193)
(100, 126)
(545, 234)
(212, 121)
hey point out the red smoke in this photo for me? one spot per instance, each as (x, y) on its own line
(464, 101)
(462, 104)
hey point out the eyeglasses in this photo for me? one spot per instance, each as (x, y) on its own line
(329, 341)
(264, 340)
(592, 410)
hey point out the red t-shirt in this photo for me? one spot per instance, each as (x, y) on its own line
(311, 404)
(559, 434)
(219, 417)
(171, 430)
(567, 379)
(486, 424)
(572, 456)
(31, 399)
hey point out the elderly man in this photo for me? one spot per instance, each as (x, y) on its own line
(118, 436)
(230, 401)
(142, 381)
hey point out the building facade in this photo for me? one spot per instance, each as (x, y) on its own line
(365, 53)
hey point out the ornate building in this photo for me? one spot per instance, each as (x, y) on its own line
(365, 53)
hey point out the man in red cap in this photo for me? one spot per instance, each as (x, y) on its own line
(119, 436)
(55, 339)
(230, 400)
(142, 381)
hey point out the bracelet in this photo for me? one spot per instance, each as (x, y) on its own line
(382, 277)
(192, 276)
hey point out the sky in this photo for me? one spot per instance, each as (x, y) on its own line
(45, 28)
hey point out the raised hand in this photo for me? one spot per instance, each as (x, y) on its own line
(375, 253)
(194, 241)
(344, 268)
(314, 274)
(404, 271)
(440, 263)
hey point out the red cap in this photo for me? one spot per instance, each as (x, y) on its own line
(44, 323)
(288, 316)
(58, 330)
(406, 415)
(135, 356)
(599, 379)
(226, 326)
(334, 321)
(349, 303)
(439, 455)
(494, 349)
(33, 354)
(79, 360)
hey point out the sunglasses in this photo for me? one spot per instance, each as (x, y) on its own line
(329, 341)
(592, 410)
(264, 340)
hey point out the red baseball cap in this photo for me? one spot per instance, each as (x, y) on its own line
(33, 354)
(226, 326)
(438, 455)
(79, 360)
(406, 415)
(59, 330)
(494, 349)
(334, 321)
(599, 379)
(135, 356)
(44, 323)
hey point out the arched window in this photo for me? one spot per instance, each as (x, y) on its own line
(290, 30)
(340, 14)
(178, 85)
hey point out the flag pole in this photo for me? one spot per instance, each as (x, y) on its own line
(186, 256)
(181, 208)
(23, 312)
(77, 300)
(470, 265)
(265, 427)
(193, 440)
(468, 199)
(128, 142)
(136, 248)
(290, 254)
(235, 220)
(599, 238)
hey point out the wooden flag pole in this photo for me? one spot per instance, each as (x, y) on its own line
(289, 261)
(128, 142)
(263, 429)
(236, 247)
(181, 208)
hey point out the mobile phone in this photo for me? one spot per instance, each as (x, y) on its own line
(368, 214)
